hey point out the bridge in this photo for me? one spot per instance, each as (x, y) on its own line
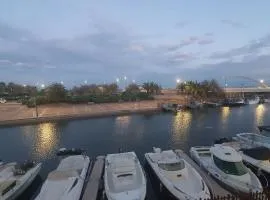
(247, 90)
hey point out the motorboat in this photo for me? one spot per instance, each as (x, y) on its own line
(67, 181)
(177, 175)
(225, 164)
(169, 107)
(234, 103)
(253, 139)
(69, 152)
(194, 105)
(256, 100)
(266, 100)
(15, 178)
(258, 157)
(124, 177)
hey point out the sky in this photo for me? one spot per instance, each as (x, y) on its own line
(156, 40)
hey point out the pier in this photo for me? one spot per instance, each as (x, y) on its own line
(93, 183)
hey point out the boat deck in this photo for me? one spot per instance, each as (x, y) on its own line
(214, 187)
(93, 184)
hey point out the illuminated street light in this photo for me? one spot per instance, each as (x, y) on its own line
(24, 85)
(42, 86)
(261, 81)
(117, 80)
(178, 80)
(62, 82)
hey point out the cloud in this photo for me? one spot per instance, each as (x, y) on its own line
(205, 41)
(181, 24)
(114, 51)
(186, 42)
(253, 47)
(233, 23)
(209, 34)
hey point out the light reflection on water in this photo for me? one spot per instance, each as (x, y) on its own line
(121, 125)
(225, 114)
(44, 139)
(259, 114)
(181, 125)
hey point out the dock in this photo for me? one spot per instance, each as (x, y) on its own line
(94, 181)
(214, 187)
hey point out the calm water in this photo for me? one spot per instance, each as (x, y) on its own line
(136, 132)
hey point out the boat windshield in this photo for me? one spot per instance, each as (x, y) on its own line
(172, 166)
(233, 168)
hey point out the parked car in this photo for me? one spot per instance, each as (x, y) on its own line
(2, 100)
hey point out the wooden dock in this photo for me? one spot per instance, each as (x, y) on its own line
(214, 187)
(93, 184)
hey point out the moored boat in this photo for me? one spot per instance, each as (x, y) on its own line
(254, 139)
(67, 181)
(124, 177)
(177, 175)
(15, 178)
(256, 100)
(225, 164)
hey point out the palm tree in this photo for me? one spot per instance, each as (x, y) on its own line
(133, 88)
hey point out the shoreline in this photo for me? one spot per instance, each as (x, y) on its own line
(33, 120)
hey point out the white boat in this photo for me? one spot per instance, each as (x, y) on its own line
(256, 157)
(177, 175)
(226, 165)
(124, 177)
(266, 100)
(67, 181)
(253, 101)
(253, 139)
(15, 178)
(194, 105)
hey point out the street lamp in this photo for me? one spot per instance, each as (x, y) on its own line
(42, 86)
(178, 81)
(62, 82)
(117, 80)
(261, 81)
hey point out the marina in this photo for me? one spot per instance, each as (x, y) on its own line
(138, 133)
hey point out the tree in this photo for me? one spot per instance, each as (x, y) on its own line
(152, 88)
(2, 87)
(110, 89)
(204, 89)
(56, 92)
(133, 88)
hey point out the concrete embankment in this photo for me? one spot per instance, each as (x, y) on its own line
(16, 114)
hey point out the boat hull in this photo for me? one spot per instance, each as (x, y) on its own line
(26, 184)
(225, 182)
(138, 192)
(173, 192)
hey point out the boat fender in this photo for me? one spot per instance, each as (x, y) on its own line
(160, 187)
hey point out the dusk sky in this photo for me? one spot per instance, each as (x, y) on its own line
(98, 41)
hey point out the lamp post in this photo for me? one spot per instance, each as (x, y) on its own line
(125, 79)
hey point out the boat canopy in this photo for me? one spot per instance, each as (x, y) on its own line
(258, 153)
(225, 153)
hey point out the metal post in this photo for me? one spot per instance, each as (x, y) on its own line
(36, 107)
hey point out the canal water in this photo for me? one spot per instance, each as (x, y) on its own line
(137, 133)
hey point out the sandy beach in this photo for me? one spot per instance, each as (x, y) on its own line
(13, 113)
